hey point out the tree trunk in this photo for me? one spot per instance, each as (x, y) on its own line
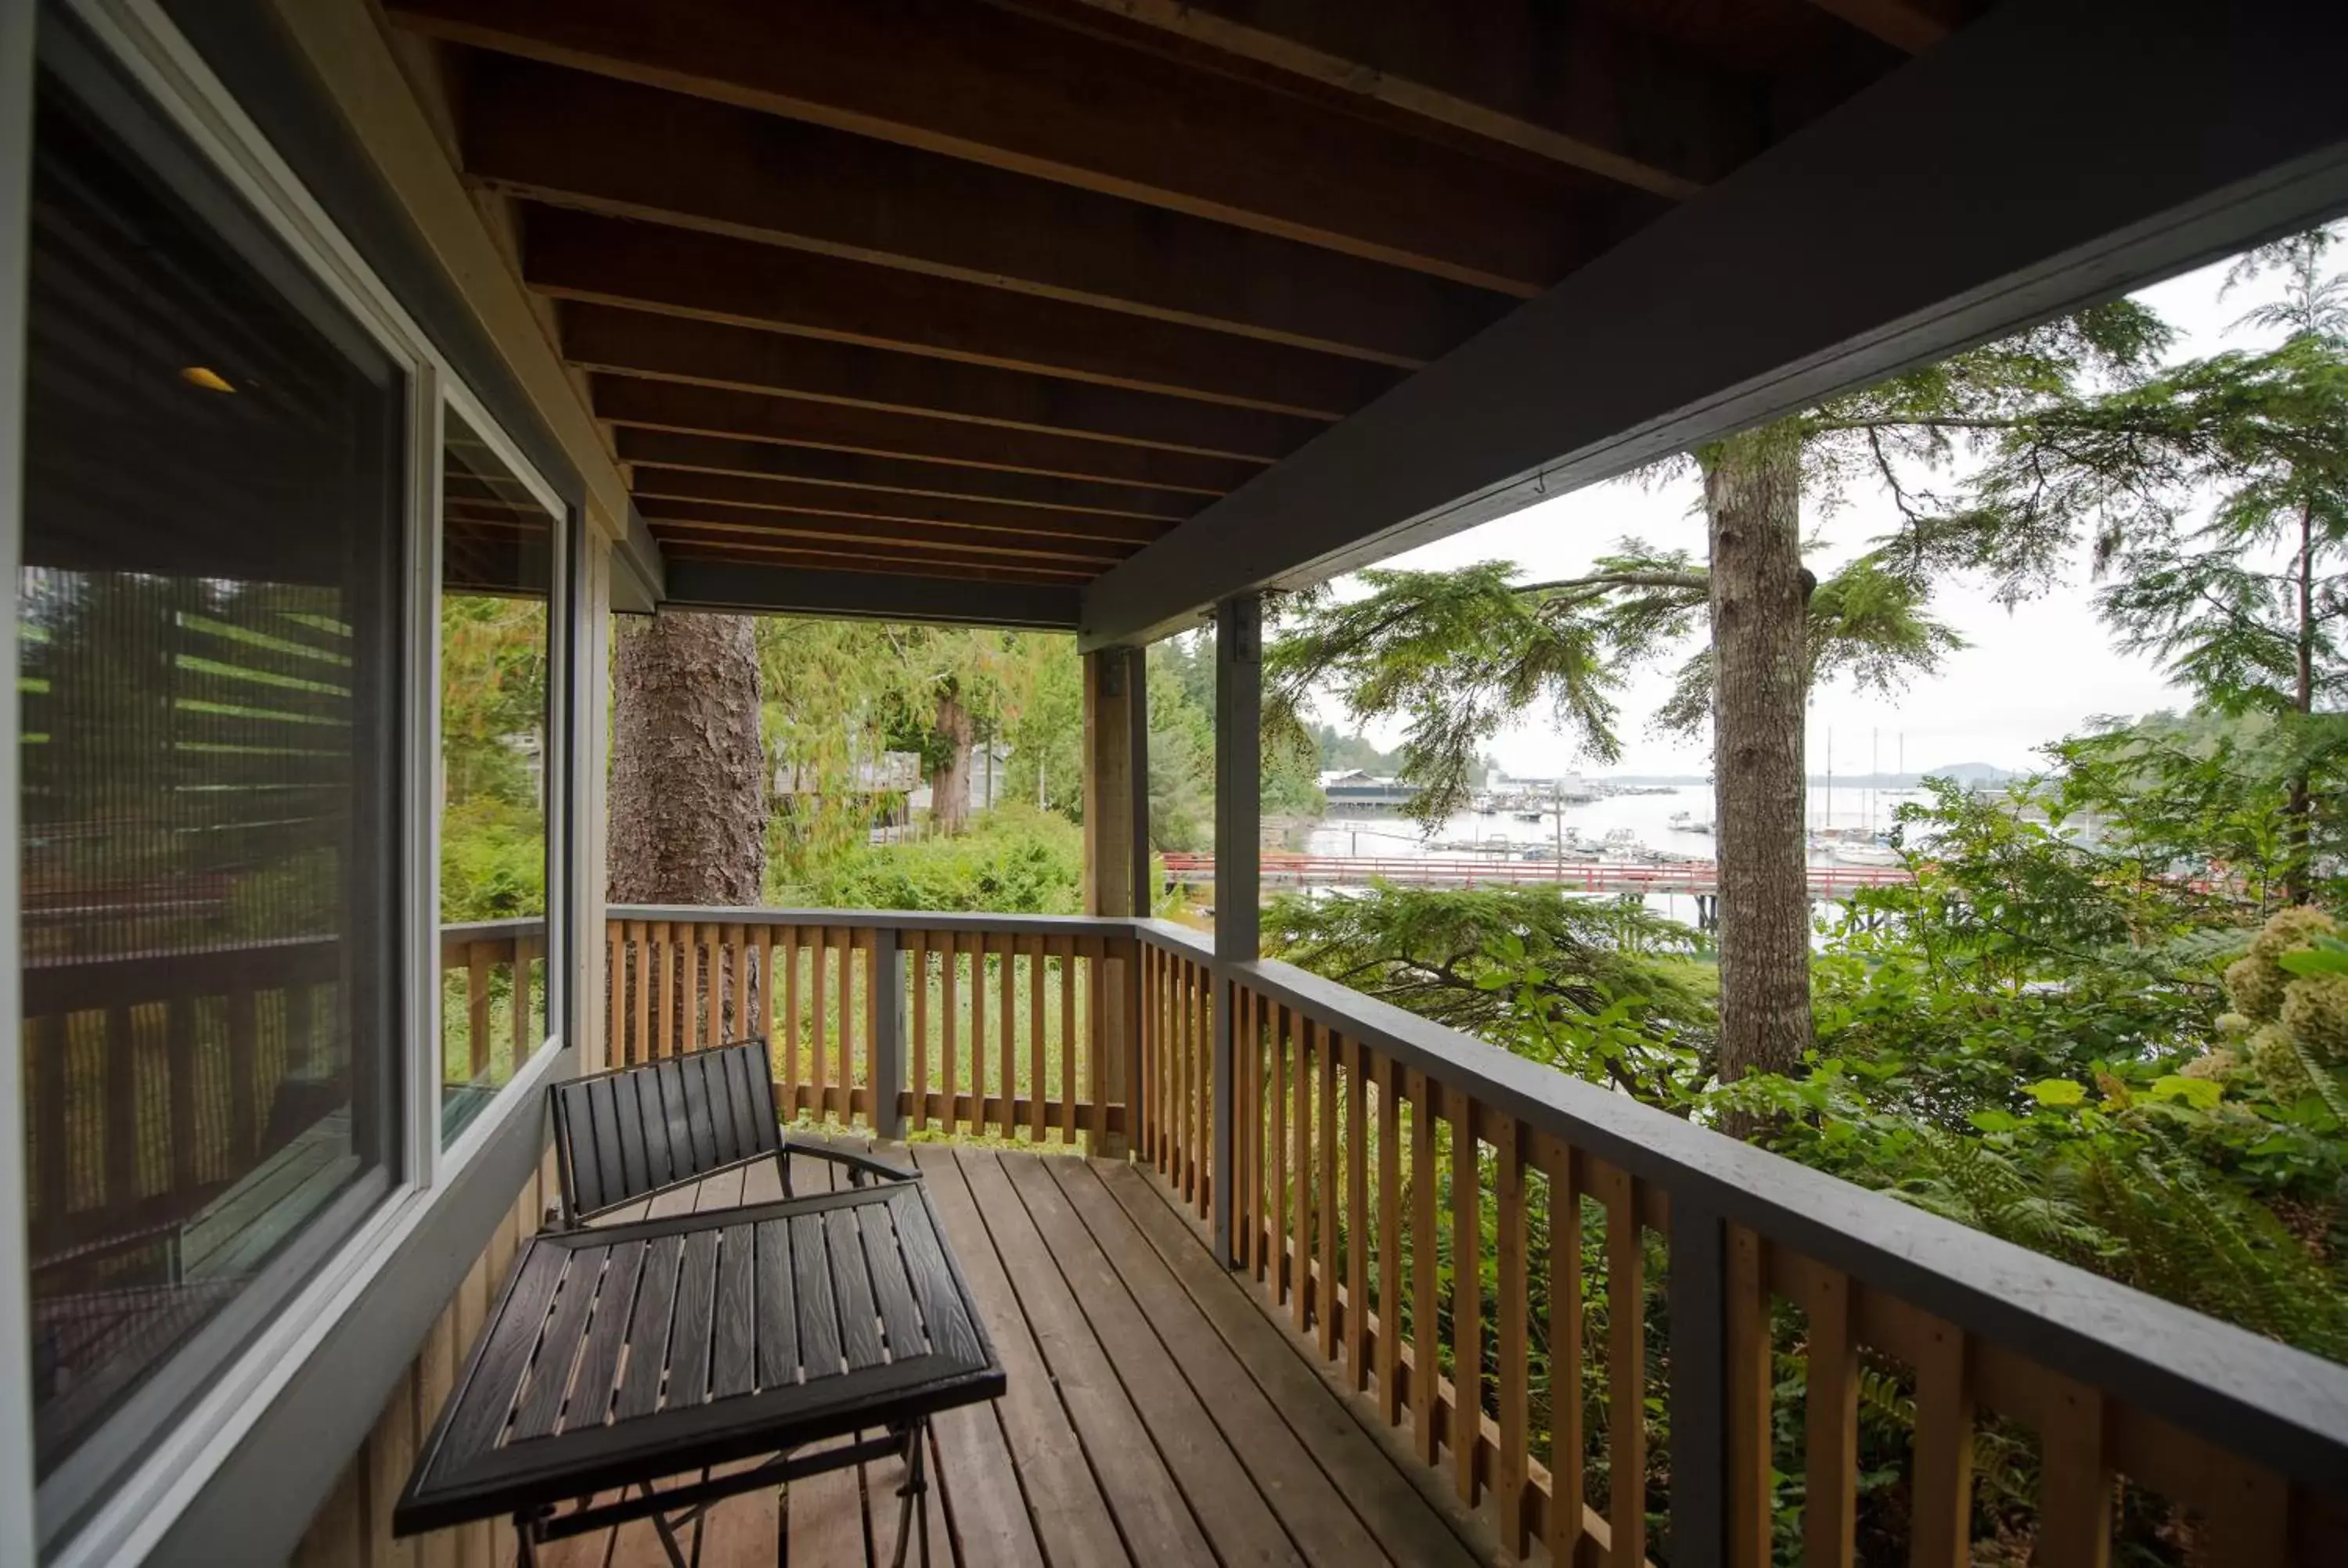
(689, 796)
(688, 812)
(949, 781)
(1752, 496)
(2301, 808)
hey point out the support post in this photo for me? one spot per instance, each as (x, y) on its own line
(1697, 1299)
(1117, 859)
(887, 1036)
(1239, 770)
(1116, 783)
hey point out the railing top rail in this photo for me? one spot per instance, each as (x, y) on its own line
(876, 919)
(489, 930)
(2282, 1407)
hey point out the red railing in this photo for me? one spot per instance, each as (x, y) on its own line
(1691, 876)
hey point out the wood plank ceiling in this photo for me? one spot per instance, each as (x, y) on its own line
(1006, 291)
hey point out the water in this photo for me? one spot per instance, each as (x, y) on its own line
(1387, 837)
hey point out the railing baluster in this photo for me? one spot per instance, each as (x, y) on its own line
(1626, 1366)
(1063, 953)
(1300, 1233)
(1941, 1527)
(521, 1001)
(1750, 1427)
(950, 1020)
(920, 942)
(1357, 1212)
(1036, 1073)
(1426, 1361)
(1565, 1307)
(888, 1053)
(1390, 1233)
(1830, 1439)
(1009, 1049)
(243, 1062)
(819, 1006)
(1511, 1377)
(978, 1032)
(1466, 1296)
(2074, 1484)
(762, 1016)
(794, 1073)
(741, 988)
(1247, 1127)
(180, 1045)
(641, 1048)
(665, 958)
(1202, 1125)
(1325, 1293)
(841, 940)
(2248, 1511)
(477, 1014)
(708, 959)
(615, 994)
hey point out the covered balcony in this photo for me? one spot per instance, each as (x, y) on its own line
(1100, 319)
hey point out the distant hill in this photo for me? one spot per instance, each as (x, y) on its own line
(1974, 775)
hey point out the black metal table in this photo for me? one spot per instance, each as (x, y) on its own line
(624, 1354)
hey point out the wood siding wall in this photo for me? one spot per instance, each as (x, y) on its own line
(353, 1529)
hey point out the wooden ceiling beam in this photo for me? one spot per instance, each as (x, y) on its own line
(714, 278)
(823, 556)
(1908, 27)
(708, 411)
(1568, 84)
(660, 489)
(686, 519)
(575, 139)
(832, 471)
(712, 353)
(1019, 94)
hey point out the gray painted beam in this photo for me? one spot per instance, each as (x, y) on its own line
(2051, 154)
(639, 572)
(699, 584)
(1239, 766)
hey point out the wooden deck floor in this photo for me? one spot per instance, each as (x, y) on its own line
(1155, 1415)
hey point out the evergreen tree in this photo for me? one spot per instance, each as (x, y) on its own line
(2218, 492)
(1459, 654)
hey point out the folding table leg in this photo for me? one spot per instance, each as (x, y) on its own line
(667, 1537)
(917, 1442)
(525, 1523)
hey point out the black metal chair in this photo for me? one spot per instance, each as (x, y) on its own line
(633, 1133)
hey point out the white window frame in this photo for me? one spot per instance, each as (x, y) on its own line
(146, 1498)
(18, 1533)
(554, 767)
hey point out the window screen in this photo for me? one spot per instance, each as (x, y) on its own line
(209, 670)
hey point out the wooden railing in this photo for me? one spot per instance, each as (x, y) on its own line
(1019, 1028)
(154, 1082)
(1366, 1147)
(503, 966)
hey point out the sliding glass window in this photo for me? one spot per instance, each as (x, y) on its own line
(210, 670)
(500, 560)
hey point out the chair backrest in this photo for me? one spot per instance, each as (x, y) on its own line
(620, 1135)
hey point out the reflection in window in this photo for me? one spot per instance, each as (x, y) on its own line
(496, 552)
(209, 673)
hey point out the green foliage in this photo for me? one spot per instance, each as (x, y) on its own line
(2208, 795)
(1599, 988)
(1457, 655)
(1015, 860)
(493, 696)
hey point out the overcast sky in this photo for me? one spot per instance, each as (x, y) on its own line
(2028, 676)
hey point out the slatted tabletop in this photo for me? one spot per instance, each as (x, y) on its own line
(633, 1352)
